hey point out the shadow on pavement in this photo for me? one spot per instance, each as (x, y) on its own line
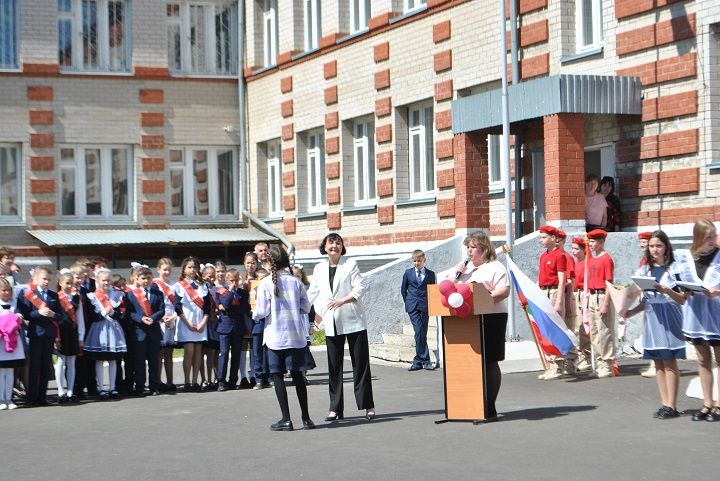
(380, 418)
(538, 414)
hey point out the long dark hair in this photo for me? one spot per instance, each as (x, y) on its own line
(278, 260)
(669, 256)
(189, 260)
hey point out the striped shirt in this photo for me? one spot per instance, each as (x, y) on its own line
(286, 314)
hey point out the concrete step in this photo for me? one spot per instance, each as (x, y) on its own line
(432, 330)
(395, 353)
(407, 338)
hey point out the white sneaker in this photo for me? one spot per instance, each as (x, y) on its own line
(11, 406)
(552, 375)
(3, 406)
(650, 372)
(583, 366)
(602, 374)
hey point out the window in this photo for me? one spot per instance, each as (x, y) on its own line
(92, 35)
(421, 151)
(95, 182)
(414, 4)
(314, 165)
(202, 182)
(274, 179)
(9, 13)
(270, 32)
(359, 15)
(313, 29)
(364, 161)
(494, 160)
(588, 24)
(202, 38)
(9, 181)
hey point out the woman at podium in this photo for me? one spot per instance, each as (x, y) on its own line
(481, 266)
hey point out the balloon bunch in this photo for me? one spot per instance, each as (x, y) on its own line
(458, 298)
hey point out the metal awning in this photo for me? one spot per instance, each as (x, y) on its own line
(584, 94)
(62, 238)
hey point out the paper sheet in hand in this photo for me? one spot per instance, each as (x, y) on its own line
(645, 283)
(691, 286)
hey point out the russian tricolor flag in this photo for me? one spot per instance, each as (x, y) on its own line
(552, 333)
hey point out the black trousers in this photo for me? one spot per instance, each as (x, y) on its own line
(41, 349)
(232, 342)
(362, 379)
(147, 351)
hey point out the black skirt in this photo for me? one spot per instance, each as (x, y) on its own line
(69, 345)
(494, 326)
(292, 359)
(12, 363)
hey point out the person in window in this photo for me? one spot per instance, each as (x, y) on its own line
(614, 214)
(595, 205)
(116, 36)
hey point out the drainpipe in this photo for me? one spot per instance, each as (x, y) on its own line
(242, 109)
(269, 230)
(518, 138)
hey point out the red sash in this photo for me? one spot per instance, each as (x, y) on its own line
(103, 299)
(192, 293)
(166, 289)
(222, 291)
(67, 306)
(144, 302)
(34, 298)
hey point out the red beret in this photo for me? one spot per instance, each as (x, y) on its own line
(549, 230)
(644, 235)
(579, 241)
(597, 234)
(561, 234)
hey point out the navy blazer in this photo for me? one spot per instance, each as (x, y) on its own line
(135, 312)
(232, 320)
(414, 292)
(40, 326)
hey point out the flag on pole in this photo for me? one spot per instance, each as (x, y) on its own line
(552, 333)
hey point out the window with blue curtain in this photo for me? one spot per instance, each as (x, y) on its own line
(8, 33)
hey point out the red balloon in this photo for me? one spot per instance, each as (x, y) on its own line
(444, 302)
(464, 310)
(446, 287)
(465, 290)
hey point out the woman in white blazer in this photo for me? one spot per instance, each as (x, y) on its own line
(336, 293)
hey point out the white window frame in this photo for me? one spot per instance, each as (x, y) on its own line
(597, 24)
(270, 32)
(75, 16)
(312, 21)
(315, 164)
(360, 13)
(412, 5)
(364, 165)
(17, 184)
(210, 47)
(106, 193)
(422, 130)
(494, 164)
(189, 184)
(274, 178)
(9, 40)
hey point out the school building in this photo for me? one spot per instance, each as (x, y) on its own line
(138, 128)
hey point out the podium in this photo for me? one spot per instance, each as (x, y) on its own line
(464, 367)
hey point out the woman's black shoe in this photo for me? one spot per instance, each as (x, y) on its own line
(702, 415)
(666, 412)
(282, 426)
(713, 415)
(336, 417)
(370, 416)
(308, 424)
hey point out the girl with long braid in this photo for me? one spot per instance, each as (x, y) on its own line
(283, 302)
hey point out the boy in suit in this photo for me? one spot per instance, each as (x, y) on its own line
(233, 307)
(414, 293)
(41, 307)
(146, 308)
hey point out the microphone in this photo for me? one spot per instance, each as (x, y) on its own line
(459, 273)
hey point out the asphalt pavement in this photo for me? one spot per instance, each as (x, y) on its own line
(569, 429)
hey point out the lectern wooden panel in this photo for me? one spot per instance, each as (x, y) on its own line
(464, 374)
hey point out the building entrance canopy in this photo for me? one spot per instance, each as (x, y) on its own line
(67, 238)
(582, 94)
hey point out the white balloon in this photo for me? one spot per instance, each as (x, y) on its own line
(455, 300)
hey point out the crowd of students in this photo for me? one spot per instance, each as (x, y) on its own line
(95, 318)
(681, 306)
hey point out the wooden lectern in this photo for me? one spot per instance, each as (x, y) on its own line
(464, 368)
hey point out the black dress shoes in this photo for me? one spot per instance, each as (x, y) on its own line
(429, 367)
(222, 387)
(282, 426)
(415, 367)
(702, 414)
(334, 417)
(308, 424)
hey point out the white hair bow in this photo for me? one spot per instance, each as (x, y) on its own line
(31, 272)
(137, 265)
(203, 266)
(65, 271)
(102, 270)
